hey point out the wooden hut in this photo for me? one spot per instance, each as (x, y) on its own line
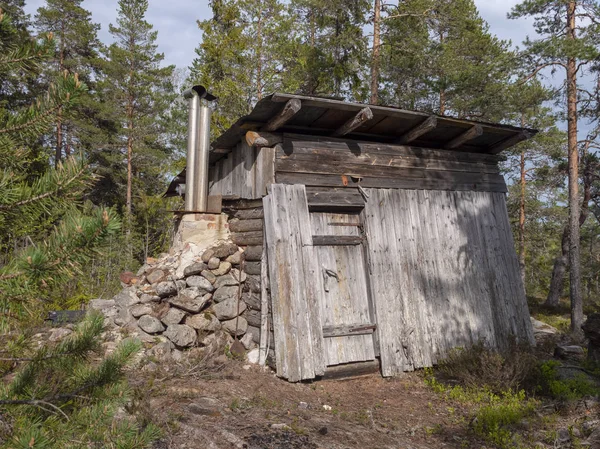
(381, 235)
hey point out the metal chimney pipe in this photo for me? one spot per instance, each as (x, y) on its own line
(203, 148)
(192, 143)
(198, 147)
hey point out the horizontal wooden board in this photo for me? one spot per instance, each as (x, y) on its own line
(237, 225)
(327, 199)
(238, 204)
(336, 240)
(324, 180)
(247, 238)
(350, 329)
(351, 370)
(246, 214)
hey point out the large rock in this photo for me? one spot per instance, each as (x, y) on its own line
(150, 324)
(230, 308)
(165, 289)
(204, 322)
(145, 298)
(222, 269)
(191, 300)
(230, 279)
(173, 316)
(569, 352)
(182, 335)
(253, 317)
(207, 255)
(252, 284)
(141, 309)
(216, 341)
(224, 293)
(123, 317)
(230, 326)
(188, 256)
(235, 258)
(101, 304)
(252, 300)
(156, 276)
(541, 329)
(195, 268)
(200, 283)
(224, 249)
(206, 274)
(213, 263)
(126, 297)
(255, 332)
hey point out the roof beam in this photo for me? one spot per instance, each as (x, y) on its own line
(470, 134)
(423, 128)
(262, 139)
(290, 109)
(362, 116)
(509, 142)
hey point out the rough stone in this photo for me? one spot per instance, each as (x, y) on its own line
(123, 317)
(167, 288)
(173, 316)
(230, 326)
(224, 293)
(150, 324)
(563, 435)
(216, 341)
(253, 355)
(181, 284)
(213, 263)
(156, 276)
(593, 440)
(192, 303)
(569, 352)
(235, 258)
(247, 341)
(224, 250)
(188, 256)
(224, 268)
(141, 309)
(253, 317)
(59, 333)
(252, 300)
(255, 332)
(589, 426)
(161, 351)
(541, 329)
(200, 282)
(126, 297)
(205, 407)
(127, 277)
(230, 308)
(227, 280)
(145, 298)
(207, 255)
(252, 284)
(204, 322)
(182, 335)
(195, 268)
(209, 276)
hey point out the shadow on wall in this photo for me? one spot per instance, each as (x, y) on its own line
(445, 274)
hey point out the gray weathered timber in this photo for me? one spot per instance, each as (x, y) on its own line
(361, 117)
(423, 128)
(236, 225)
(253, 253)
(290, 109)
(331, 199)
(265, 170)
(463, 138)
(443, 274)
(295, 284)
(337, 240)
(246, 214)
(264, 308)
(345, 296)
(247, 238)
(351, 180)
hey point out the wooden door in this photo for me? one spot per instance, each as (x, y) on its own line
(345, 307)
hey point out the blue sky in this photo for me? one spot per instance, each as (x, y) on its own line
(178, 34)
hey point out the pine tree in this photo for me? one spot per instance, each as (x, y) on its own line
(39, 212)
(138, 92)
(441, 57)
(77, 52)
(568, 41)
(60, 397)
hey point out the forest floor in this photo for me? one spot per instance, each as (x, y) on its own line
(231, 404)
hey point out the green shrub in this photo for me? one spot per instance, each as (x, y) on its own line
(550, 384)
(479, 366)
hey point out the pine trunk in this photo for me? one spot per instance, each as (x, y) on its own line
(522, 218)
(557, 281)
(574, 260)
(376, 54)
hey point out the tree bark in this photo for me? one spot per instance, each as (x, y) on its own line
(574, 260)
(376, 54)
(522, 218)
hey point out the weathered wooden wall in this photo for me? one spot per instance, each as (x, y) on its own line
(444, 273)
(336, 163)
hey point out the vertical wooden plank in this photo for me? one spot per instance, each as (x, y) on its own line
(265, 170)
(247, 170)
(294, 283)
(227, 175)
(264, 305)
